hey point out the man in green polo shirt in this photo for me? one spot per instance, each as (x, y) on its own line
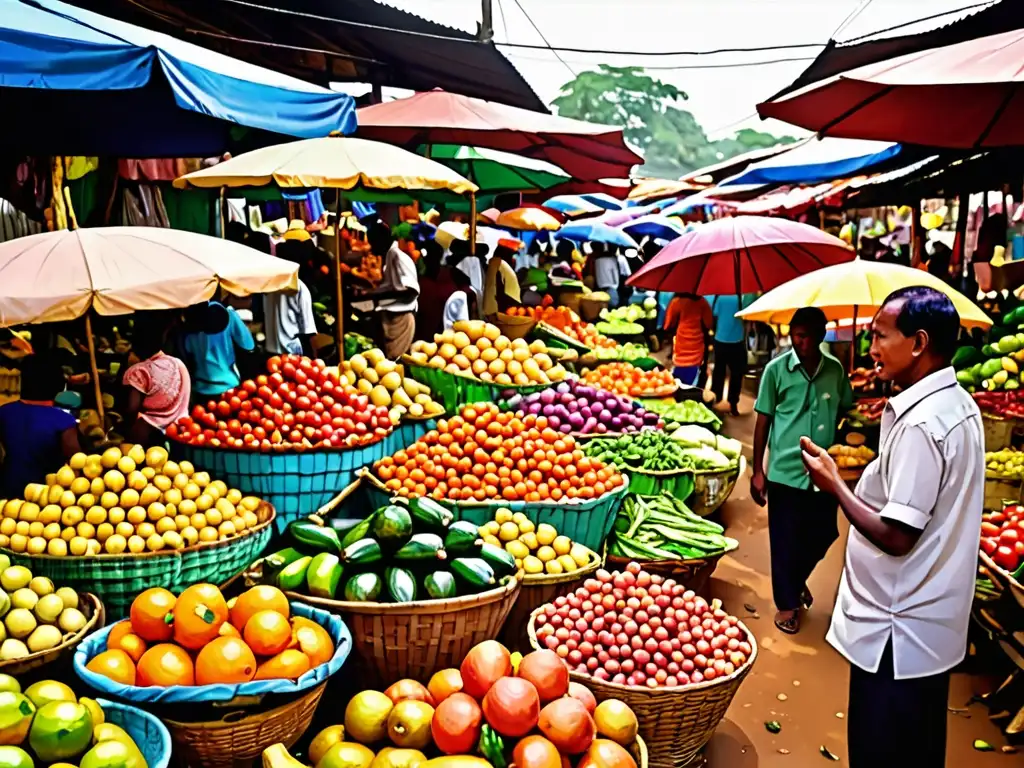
(803, 393)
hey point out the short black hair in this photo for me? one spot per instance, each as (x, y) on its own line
(811, 318)
(460, 278)
(926, 309)
(41, 378)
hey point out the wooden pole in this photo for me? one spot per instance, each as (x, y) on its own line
(339, 327)
(94, 369)
(223, 212)
(472, 223)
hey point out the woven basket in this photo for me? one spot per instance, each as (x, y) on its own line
(148, 733)
(399, 640)
(238, 739)
(513, 326)
(586, 522)
(118, 579)
(676, 723)
(694, 573)
(295, 483)
(92, 608)
(590, 309)
(538, 589)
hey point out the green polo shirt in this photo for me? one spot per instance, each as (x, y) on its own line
(800, 405)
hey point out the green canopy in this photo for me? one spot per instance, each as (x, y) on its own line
(493, 171)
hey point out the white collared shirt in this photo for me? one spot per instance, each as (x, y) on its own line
(400, 275)
(930, 475)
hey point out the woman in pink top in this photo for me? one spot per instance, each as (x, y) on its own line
(159, 387)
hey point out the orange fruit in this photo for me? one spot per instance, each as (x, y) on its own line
(166, 664)
(225, 660)
(131, 644)
(227, 629)
(115, 664)
(289, 665)
(267, 633)
(150, 612)
(119, 630)
(198, 615)
(260, 598)
(313, 640)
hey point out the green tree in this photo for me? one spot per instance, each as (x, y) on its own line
(648, 109)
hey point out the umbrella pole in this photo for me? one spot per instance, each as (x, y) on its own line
(223, 213)
(93, 368)
(339, 329)
(853, 339)
(472, 223)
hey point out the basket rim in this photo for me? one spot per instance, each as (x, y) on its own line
(547, 579)
(283, 451)
(222, 724)
(661, 690)
(96, 606)
(504, 317)
(132, 556)
(108, 705)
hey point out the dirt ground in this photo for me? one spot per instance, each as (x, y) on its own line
(810, 675)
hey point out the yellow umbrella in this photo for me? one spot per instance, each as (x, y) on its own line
(528, 219)
(853, 289)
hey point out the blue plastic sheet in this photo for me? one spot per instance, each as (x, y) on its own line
(148, 733)
(181, 694)
(817, 161)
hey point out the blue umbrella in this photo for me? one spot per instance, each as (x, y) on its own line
(590, 230)
(603, 200)
(818, 160)
(572, 205)
(76, 82)
(654, 225)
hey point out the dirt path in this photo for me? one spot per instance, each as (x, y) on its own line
(811, 676)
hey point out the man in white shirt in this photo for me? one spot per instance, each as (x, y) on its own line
(398, 294)
(904, 601)
(607, 271)
(288, 322)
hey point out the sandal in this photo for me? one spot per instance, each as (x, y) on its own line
(806, 599)
(790, 626)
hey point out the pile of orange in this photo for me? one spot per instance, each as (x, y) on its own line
(199, 638)
(568, 322)
(485, 454)
(626, 379)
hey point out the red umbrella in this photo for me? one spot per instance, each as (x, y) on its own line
(745, 254)
(587, 151)
(961, 96)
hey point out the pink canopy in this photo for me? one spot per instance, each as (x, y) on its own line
(960, 96)
(745, 254)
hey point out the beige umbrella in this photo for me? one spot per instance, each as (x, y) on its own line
(62, 275)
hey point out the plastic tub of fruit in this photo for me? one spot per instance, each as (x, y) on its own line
(148, 733)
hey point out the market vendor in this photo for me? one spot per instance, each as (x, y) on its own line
(36, 437)
(904, 605)
(214, 333)
(689, 320)
(803, 393)
(608, 270)
(398, 294)
(472, 264)
(501, 284)
(159, 385)
(461, 305)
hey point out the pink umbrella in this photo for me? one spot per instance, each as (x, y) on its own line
(745, 254)
(960, 96)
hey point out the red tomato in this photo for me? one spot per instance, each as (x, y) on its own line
(1006, 558)
(1009, 536)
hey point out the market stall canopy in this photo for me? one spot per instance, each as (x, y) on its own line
(58, 276)
(962, 96)
(494, 171)
(604, 201)
(572, 205)
(648, 190)
(364, 169)
(857, 286)
(742, 254)
(528, 220)
(817, 161)
(74, 82)
(596, 231)
(586, 151)
(654, 225)
(714, 173)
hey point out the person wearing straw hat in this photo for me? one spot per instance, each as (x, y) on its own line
(904, 605)
(296, 231)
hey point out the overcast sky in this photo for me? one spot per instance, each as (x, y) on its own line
(722, 99)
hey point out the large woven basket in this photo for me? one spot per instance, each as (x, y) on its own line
(676, 723)
(148, 733)
(92, 608)
(118, 579)
(295, 483)
(238, 739)
(514, 326)
(694, 573)
(538, 589)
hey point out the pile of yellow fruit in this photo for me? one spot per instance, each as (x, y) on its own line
(126, 499)
(537, 549)
(385, 383)
(476, 348)
(36, 616)
(851, 457)
(1005, 464)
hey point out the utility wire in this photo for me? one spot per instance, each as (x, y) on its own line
(918, 21)
(542, 37)
(673, 67)
(504, 25)
(850, 17)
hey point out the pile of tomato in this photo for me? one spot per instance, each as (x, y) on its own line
(299, 404)
(1002, 536)
(484, 454)
(626, 379)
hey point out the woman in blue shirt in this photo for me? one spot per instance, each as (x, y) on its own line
(209, 346)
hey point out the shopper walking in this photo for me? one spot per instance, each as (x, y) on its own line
(689, 320)
(730, 348)
(803, 392)
(904, 603)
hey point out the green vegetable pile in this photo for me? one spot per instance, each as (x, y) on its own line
(675, 414)
(619, 328)
(403, 552)
(657, 451)
(664, 528)
(628, 353)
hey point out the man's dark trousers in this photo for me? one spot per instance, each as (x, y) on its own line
(731, 358)
(802, 524)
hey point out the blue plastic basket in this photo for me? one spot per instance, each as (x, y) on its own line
(297, 484)
(148, 733)
(96, 643)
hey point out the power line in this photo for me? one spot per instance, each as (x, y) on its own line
(542, 37)
(853, 14)
(673, 67)
(918, 21)
(504, 25)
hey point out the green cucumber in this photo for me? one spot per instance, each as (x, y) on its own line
(293, 575)
(391, 524)
(363, 588)
(342, 525)
(274, 563)
(501, 561)
(422, 546)
(439, 585)
(476, 571)
(461, 537)
(360, 531)
(316, 537)
(401, 585)
(429, 512)
(362, 552)
(323, 575)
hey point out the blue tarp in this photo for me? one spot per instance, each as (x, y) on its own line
(817, 161)
(76, 82)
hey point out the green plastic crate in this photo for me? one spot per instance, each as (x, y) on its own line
(454, 391)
